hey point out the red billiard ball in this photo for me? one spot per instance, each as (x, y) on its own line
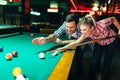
(31, 34)
(8, 56)
(15, 53)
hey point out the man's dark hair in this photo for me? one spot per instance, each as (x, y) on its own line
(72, 17)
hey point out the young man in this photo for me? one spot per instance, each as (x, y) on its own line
(69, 27)
(108, 47)
(72, 31)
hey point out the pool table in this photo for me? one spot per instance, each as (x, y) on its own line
(32, 66)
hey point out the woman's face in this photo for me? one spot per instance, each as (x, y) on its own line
(85, 29)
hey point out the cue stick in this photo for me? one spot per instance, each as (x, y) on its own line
(88, 42)
(52, 48)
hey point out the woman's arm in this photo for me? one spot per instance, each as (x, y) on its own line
(116, 23)
(72, 44)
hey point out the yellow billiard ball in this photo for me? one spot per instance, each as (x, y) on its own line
(17, 71)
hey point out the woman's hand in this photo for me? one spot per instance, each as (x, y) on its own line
(62, 49)
(39, 40)
(59, 41)
(119, 32)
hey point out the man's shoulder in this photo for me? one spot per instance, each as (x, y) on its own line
(63, 25)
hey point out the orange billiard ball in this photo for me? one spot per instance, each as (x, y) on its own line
(8, 56)
(31, 34)
(15, 53)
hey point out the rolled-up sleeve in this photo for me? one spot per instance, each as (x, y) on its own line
(60, 30)
(105, 22)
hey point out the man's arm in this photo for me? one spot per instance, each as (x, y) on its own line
(63, 41)
(51, 37)
(67, 41)
(57, 33)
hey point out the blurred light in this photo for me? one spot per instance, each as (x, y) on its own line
(92, 13)
(35, 13)
(3, 2)
(62, 13)
(53, 4)
(104, 9)
(53, 7)
(99, 13)
(10, 0)
(109, 1)
(95, 4)
(95, 8)
(73, 4)
(80, 10)
(52, 10)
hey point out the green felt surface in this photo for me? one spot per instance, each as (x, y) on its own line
(32, 66)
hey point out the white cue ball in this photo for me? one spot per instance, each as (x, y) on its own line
(41, 55)
(55, 53)
(20, 77)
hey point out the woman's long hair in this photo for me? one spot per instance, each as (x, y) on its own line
(88, 20)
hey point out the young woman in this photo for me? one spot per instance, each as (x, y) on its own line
(108, 47)
(71, 29)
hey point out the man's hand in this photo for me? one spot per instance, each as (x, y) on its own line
(39, 40)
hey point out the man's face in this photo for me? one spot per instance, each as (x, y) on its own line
(71, 26)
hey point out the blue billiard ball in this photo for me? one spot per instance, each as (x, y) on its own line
(1, 49)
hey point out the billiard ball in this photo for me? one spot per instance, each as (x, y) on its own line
(8, 56)
(41, 55)
(31, 34)
(55, 53)
(14, 53)
(17, 71)
(1, 49)
(20, 77)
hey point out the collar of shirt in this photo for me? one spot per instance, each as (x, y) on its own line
(75, 35)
